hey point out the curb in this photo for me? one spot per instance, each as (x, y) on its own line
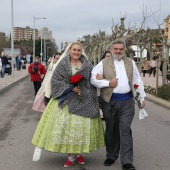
(13, 83)
(158, 100)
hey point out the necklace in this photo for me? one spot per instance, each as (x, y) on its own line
(75, 62)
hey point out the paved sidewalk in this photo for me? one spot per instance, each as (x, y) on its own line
(151, 81)
(20, 75)
(9, 80)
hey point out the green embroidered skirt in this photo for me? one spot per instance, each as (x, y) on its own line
(60, 131)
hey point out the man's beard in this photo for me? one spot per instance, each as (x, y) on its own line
(117, 57)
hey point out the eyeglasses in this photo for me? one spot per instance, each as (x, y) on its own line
(120, 49)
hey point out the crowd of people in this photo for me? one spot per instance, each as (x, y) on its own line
(149, 66)
(6, 63)
(71, 122)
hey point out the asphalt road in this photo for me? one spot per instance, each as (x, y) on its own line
(18, 122)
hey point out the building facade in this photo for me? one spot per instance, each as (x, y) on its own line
(167, 28)
(21, 33)
(167, 37)
(45, 33)
(64, 45)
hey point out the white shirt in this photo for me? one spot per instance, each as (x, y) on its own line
(123, 84)
(153, 63)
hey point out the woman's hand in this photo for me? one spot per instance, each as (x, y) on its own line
(76, 90)
(99, 76)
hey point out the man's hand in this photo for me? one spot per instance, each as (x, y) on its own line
(142, 104)
(99, 76)
(113, 83)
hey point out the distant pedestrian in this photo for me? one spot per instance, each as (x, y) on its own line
(153, 64)
(0, 65)
(31, 59)
(8, 68)
(18, 62)
(106, 54)
(36, 71)
(49, 60)
(145, 65)
(4, 61)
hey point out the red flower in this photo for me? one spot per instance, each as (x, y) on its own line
(136, 86)
(76, 78)
(137, 96)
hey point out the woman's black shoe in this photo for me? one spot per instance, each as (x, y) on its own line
(108, 162)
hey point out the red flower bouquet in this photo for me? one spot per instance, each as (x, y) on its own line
(76, 80)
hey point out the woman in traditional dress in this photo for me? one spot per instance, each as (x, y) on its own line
(44, 93)
(71, 122)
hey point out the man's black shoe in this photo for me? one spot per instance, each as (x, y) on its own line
(108, 162)
(128, 167)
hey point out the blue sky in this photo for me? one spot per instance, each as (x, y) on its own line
(70, 19)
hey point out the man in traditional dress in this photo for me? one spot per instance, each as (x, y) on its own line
(116, 77)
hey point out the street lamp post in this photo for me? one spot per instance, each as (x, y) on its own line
(34, 36)
(48, 51)
(45, 53)
(41, 46)
(12, 40)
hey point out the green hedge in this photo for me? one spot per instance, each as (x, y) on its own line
(164, 92)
